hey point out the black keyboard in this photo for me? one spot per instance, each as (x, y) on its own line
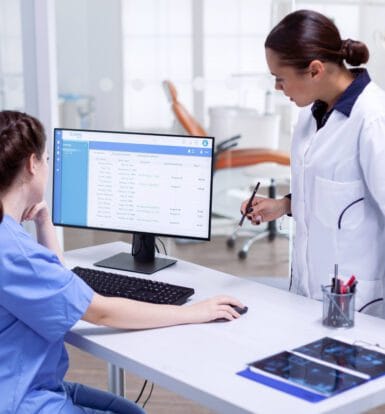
(112, 284)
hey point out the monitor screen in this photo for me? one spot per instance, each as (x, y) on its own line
(133, 182)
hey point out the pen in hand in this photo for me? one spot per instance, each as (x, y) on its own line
(249, 204)
(231, 239)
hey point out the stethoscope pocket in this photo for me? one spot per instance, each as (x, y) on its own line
(339, 205)
(351, 205)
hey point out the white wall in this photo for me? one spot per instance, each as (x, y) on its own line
(359, 20)
(372, 32)
(39, 71)
(89, 56)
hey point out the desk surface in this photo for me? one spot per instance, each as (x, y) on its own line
(200, 361)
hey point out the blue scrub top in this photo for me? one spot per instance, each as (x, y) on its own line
(40, 300)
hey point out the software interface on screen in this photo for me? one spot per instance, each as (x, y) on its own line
(133, 182)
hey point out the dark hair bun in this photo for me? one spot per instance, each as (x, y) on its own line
(305, 35)
(354, 52)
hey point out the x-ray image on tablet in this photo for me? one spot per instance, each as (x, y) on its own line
(346, 355)
(306, 374)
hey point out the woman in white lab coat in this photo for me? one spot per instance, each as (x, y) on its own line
(337, 158)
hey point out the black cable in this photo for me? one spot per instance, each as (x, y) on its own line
(163, 245)
(141, 392)
(156, 247)
(149, 395)
(370, 303)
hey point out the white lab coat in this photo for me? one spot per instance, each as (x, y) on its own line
(332, 168)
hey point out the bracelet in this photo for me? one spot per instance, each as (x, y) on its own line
(289, 197)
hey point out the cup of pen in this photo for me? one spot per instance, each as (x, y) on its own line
(338, 308)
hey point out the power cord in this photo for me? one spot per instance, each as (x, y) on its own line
(146, 382)
(163, 245)
(141, 392)
(149, 395)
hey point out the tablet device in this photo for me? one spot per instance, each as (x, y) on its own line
(306, 374)
(346, 355)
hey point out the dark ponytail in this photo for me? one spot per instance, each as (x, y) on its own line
(21, 135)
(305, 35)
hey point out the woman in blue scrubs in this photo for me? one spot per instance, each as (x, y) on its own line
(40, 300)
(337, 158)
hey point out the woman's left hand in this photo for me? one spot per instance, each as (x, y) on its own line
(38, 213)
(45, 231)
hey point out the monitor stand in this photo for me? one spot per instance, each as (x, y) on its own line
(142, 259)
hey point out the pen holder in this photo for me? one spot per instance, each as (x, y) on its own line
(338, 308)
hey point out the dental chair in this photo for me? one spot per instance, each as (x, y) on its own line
(190, 124)
(227, 156)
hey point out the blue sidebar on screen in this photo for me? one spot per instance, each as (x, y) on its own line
(71, 177)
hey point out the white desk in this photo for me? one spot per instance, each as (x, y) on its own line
(200, 361)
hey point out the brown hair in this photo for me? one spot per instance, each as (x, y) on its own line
(305, 35)
(21, 135)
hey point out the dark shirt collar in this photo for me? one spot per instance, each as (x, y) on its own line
(345, 102)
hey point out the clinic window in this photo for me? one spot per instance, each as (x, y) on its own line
(157, 44)
(211, 49)
(11, 61)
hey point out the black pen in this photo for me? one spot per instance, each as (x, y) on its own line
(231, 239)
(248, 205)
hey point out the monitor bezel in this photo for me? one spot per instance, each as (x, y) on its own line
(208, 238)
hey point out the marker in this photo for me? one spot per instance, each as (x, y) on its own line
(335, 279)
(351, 280)
(343, 289)
(338, 289)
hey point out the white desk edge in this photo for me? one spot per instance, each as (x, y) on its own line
(228, 346)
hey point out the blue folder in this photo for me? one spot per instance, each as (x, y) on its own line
(282, 386)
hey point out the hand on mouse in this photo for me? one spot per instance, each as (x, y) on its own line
(211, 309)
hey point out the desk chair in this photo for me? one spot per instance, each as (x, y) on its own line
(228, 157)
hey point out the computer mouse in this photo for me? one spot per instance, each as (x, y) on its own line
(241, 311)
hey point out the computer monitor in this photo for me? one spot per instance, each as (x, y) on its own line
(145, 184)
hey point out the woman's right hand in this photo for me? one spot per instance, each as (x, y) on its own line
(130, 314)
(218, 307)
(266, 209)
